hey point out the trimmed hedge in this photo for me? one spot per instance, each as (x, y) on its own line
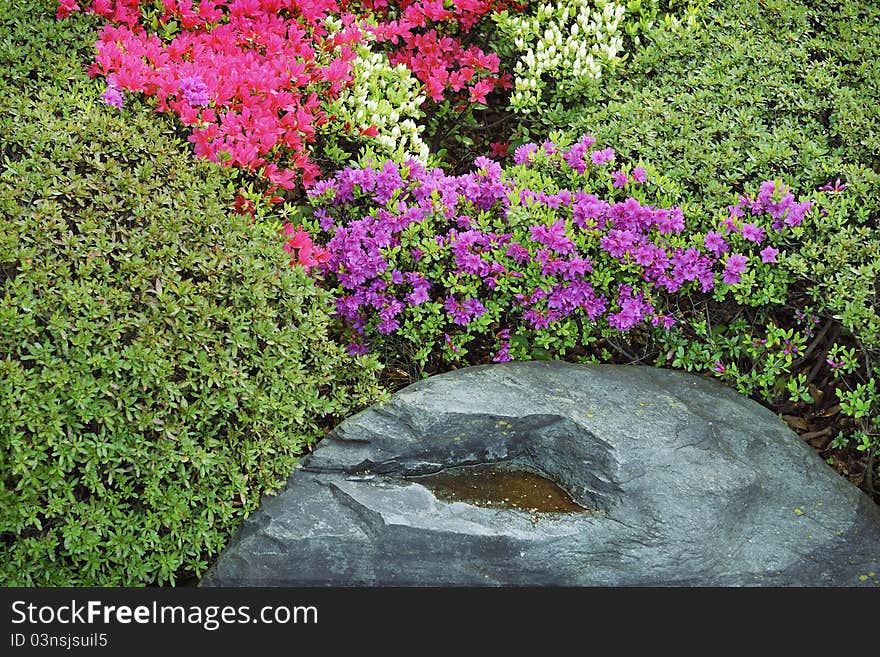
(161, 367)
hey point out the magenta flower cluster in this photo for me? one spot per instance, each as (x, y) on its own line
(487, 254)
(251, 78)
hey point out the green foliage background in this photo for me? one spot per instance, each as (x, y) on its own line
(763, 88)
(161, 367)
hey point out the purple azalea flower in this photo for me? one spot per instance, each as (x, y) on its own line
(357, 349)
(633, 309)
(194, 91)
(574, 157)
(715, 243)
(753, 233)
(668, 321)
(734, 267)
(503, 354)
(669, 221)
(587, 210)
(602, 156)
(736, 211)
(516, 251)
(553, 236)
(837, 187)
(112, 96)
(768, 254)
(766, 192)
(523, 154)
(473, 308)
(619, 242)
(448, 339)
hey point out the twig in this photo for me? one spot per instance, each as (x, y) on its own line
(620, 349)
(868, 481)
(821, 334)
(822, 433)
(435, 143)
(820, 361)
(508, 117)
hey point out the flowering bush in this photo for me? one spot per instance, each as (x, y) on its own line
(560, 49)
(431, 44)
(255, 79)
(840, 258)
(840, 255)
(542, 258)
(807, 327)
(386, 99)
(247, 77)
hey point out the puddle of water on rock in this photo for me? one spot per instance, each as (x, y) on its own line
(498, 486)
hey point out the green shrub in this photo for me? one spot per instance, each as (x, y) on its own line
(763, 89)
(557, 51)
(161, 367)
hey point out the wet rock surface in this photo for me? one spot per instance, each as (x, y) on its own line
(675, 480)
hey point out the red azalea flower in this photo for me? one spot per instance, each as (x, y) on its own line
(499, 150)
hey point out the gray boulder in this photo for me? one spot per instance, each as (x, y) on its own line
(682, 481)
